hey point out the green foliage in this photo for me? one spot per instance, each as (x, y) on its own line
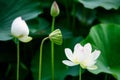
(110, 18)
(106, 37)
(107, 4)
(38, 27)
(12, 9)
(77, 21)
(60, 68)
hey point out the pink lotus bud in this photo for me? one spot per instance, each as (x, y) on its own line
(54, 9)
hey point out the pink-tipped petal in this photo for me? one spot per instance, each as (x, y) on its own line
(96, 54)
(78, 51)
(78, 48)
(87, 48)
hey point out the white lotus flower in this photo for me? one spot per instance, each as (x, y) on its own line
(20, 30)
(82, 56)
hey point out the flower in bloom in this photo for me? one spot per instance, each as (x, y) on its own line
(82, 56)
(20, 30)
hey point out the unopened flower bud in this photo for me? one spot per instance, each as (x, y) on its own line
(54, 9)
(20, 30)
(56, 37)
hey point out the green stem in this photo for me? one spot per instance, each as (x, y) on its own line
(52, 59)
(40, 59)
(53, 23)
(52, 49)
(80, 74)
(18, 60)
(8, 70)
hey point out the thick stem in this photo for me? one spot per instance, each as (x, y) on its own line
(40, 59)
(18, 60)
(52, 49)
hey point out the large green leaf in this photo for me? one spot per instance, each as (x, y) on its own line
(107, 4)
(39, 27)
(61, 71)
(10, 9)
(106, 37)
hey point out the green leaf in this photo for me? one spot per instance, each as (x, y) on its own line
(107, 4)
(39, 27)
(106, 37)
(61, 70)
(28, 9)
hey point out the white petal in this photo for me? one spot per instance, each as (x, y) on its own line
(87, 60)
(78, 52)
(68, 63)
(96, 54)
(87, 48)
(90, 62)
(69, 54)
(78, 48)
(94, 67)
(81, 57)
(25, 39)
(19, 27)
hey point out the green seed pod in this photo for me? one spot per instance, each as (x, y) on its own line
(54, 9)
(56, 37)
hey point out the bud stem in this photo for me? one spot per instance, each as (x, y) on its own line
(52, 48)
(53, 23)
(40, 59)
(52, 59)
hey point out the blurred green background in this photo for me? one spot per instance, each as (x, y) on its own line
(94, 21)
